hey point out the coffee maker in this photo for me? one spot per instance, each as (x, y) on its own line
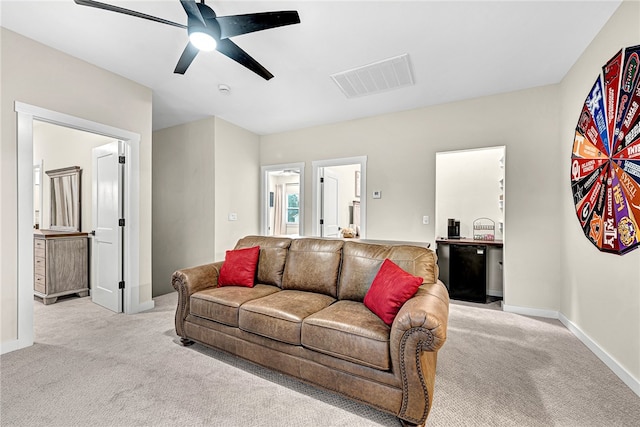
(453, 229)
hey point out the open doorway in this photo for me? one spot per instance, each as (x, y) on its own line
(26, 115)
(470, 221)
(282, 200)
(339, 197)
(72, 254)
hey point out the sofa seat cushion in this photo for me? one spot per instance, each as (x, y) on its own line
(221, 304)
(279, 316)
(350, 331)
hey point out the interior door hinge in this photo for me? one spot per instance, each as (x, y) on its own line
(322, 222)
(121, 222)
(321, 180)
(120, 159)
(121, 285)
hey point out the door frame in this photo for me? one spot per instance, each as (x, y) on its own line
(264, 194)
(316, 165)
(26, 114)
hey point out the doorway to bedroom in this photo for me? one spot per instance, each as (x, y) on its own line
(339, 202)
(282, 200)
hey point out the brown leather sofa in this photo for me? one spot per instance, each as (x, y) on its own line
(305, 317)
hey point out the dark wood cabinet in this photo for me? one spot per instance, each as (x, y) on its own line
(464, 268)
(468, 273)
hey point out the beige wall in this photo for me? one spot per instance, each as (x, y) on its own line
(203, 171)
(237, 185)
(600, 292)
(38, 75)
(183, 199)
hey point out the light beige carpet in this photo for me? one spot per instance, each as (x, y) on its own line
(91, 367)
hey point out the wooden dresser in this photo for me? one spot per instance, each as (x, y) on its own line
(60, 264)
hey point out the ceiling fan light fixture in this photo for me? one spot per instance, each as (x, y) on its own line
(202, 40)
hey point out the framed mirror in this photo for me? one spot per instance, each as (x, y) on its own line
(65, 198)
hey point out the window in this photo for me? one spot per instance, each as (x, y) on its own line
(293, 203)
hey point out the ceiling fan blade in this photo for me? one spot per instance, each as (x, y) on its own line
(187, 57)
(129, 12)
(230, 49)
(236, 25)
(192, 9)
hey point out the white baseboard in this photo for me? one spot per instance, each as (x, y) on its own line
(9, 346)
(526, 311)
(621, 372)
(13, 345)
(607, 359)
(146, 306)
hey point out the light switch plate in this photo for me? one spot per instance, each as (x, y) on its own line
(425, 220)
(377, 194)
(233, 216)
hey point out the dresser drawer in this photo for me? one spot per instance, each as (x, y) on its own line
(38, 266)
(38, 252)
(39, 284)
(38, 244)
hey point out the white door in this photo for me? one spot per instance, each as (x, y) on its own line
(106, 251)
(329, 186)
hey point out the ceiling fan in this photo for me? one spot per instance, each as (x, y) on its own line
(208, 32)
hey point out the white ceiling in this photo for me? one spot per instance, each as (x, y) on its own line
(458, 50)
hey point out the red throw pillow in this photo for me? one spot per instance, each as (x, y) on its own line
(239, 267)
(391, 288)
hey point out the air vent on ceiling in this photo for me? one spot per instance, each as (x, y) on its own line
(378, 77)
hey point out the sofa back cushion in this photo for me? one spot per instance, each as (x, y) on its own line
(415, 260)
(313, 265)
(361, 262)
(273, 254)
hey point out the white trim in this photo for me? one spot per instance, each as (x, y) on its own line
(25, 232)
(264, 192)
(494, 293)
(526, 311)
(315, 191)
(144, 306)
(25, 115)
(9, 346)
(608, 360)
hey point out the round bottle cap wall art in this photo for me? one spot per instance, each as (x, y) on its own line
(605, 164)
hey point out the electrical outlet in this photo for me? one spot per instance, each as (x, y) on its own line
(233, 216)
(425, 219)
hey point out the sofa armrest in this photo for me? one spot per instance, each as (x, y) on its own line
(418, 331)
(188, 281)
